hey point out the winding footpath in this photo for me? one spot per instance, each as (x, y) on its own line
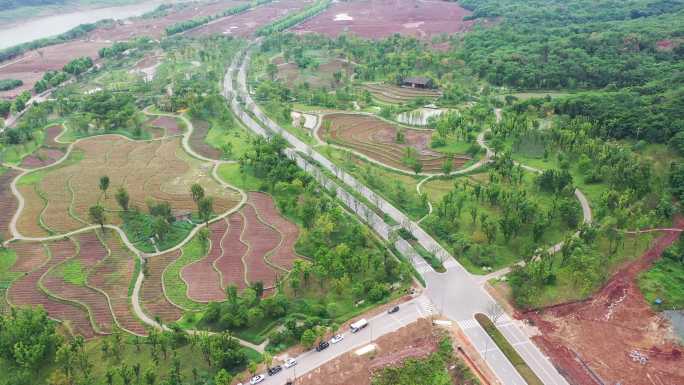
(456, 293)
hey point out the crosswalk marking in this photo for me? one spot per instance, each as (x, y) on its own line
(468, 324)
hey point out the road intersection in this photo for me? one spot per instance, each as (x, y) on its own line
(456, 292)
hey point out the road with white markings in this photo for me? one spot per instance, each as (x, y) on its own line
(456, 293)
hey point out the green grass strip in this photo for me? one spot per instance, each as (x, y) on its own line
(520, 365)
(176, 288)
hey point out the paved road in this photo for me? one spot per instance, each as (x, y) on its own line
(456, 293)
(377, 326)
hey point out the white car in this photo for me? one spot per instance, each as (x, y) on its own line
(337, 339)
(257, 379)
(290, 363)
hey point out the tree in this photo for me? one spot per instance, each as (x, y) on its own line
(268, 359)
(252, 367)
(308, 338)
(203, 236)
(448, 165)
(160, 228)
(122, 198)
(150, 376)
(104, 184)
(97, 215)
(205, 208)
(222, 377)
(417, 166)
(197, 192)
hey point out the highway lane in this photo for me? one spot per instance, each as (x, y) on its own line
(456, 292)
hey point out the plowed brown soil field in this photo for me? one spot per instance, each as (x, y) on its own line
(204, 283)
(284, 256)
(244, 24)
(90, 253)
(231, 264)
(152, 295)
(114, 276)
(261, 239)
(163, 172)
(25, 291)
(381, 18)
(8, 202)
(597, 340)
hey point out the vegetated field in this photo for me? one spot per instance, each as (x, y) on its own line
(388, 93)
(27, 291)
(381, 18)
(322, 76)
(604, 330)
(254, 244)
(58, 198)
(376, 139)
(244, 24)
(8, 202)
(50, 152)
(30, 66)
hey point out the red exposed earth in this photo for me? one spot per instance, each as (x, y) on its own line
(606, 337)
(381, 18)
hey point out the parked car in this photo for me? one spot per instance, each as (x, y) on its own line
(337, 339)
(322, 346)
(274, 370)
(257, 379)
(290, 363)
(393, 310)
(358, 325)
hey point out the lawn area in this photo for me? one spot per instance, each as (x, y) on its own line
(138, 227)
(399, 189)
(508, 350)
(664, 281)
(175, 287)
(230, 173)
(236, 138)
(72, 272)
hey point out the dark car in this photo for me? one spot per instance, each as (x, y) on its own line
(274, 370)
(393, 310)
(322, 346)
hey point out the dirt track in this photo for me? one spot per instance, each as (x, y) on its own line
(594, 340)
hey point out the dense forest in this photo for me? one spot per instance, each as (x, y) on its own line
(625, 57)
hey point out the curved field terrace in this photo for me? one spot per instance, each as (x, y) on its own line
(152, 296)
(376, 139)
(26, 291)
(8, 202)
(255, 244)
(388, 93)
(50, 152)
(58, 199)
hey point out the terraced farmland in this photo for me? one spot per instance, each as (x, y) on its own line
(253, 245)
(201, 128)
(152, 294)
(376, 139)
(90, 253)
(58, 199)
(8, 202)
(203, 281)
(26, 290)
(392, 94)
(114, 277)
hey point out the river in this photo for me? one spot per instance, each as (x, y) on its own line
(54, 25)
